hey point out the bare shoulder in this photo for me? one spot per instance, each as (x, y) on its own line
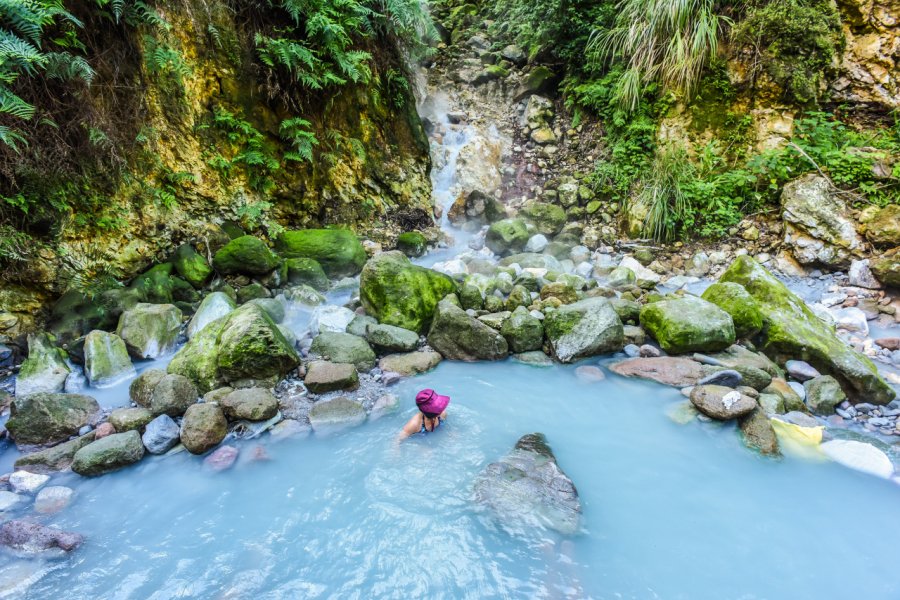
(413, 425)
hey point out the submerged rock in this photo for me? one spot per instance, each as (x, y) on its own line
(53, 499)
(57, 458)
(150, 330)
(106, 359)
(457, 336)
(688, 324)
(35, 538)
(221, 459)
(336, 413)
(109, 454)
(585, 328)
(859, 456)
(47, 418)
(527, 489)
(45, 370)
(792, 331)
(398, 293)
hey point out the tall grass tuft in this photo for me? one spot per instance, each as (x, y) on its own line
(659, 41)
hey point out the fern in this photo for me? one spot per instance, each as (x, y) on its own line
(296, 131)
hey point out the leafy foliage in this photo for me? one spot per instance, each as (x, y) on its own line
(668, 42)
(296, 131)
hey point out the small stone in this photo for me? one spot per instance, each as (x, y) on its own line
(251, 404)
(103, 430)
(721, 403)
(728, 378)
(23, 482)
(800, 370)
(324, 376)
(221, 458)
(336, 413)
(632, 350)
(160, 435)
(53, 499)
(648, 351)
(8, 500)
(889, 343)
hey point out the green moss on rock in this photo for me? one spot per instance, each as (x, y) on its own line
(688, 324)
(192, 265)
(339, 251)
(245, 255)
(396, 292)
(734, 299)
(412, 243)
(792, 331)
(308, 271)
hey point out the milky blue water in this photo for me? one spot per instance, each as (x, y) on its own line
(670, 511)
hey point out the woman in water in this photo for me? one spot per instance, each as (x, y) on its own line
(432, 412)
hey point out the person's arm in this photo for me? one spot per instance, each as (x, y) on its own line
(411, 428)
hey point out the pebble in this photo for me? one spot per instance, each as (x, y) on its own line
(632, 350)
(801, 371)
(8, 500)
(24, 482)
(103, 430)
(891, 343)
(53, 499)
(648, 351)
(389, 378)
(797, 387)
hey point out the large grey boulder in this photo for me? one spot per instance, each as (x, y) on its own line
(214, 306)
(47, 418)
(585, 328)
(108, 454)
(45, 370)
(817, 228)
(150, 330)
(106, 360)
(457, 336)
(522, 331)
(160, 435)
(526, 489)
(34, 538)
(336, 413)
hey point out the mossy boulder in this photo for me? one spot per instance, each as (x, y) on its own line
(150, 330)
(792, 331)
(547, 218)
(203, 428)
(46, 418)
(688, 324)
(457, 336)
(142, 386)
(396, 292)
(391, 338)
(55, 458)
(245, 344)
(106, 360)
(737, 302)
(884, 227)
(109, 454)
(886, 268)
(75, 315)
(339, 251)
(45, 370)
(507, 236)
(173, 395)
(191, 265)
(154, 286)
(246, 255)
(412, 243)
(253, 291)
(522, 331)
(344, 348)
(308, 271)
(586, 328)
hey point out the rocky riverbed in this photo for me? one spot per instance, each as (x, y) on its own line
(792, 334)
